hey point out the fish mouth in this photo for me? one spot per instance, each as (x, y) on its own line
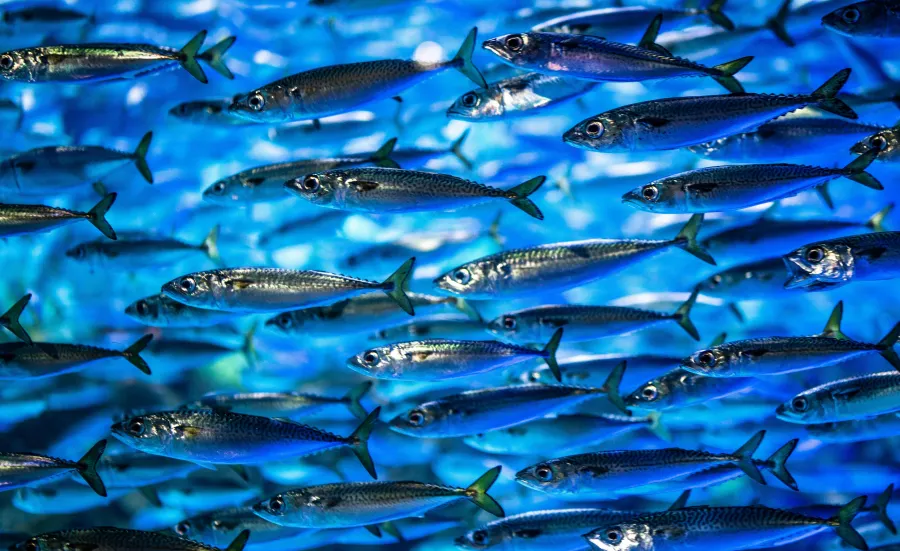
(632, 198)
(493, 46)
(798, 277)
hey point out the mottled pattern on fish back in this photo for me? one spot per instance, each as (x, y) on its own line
(230, 426)
(630, 460)
(97, 61)
(796, 345)
(117, 539)
(467, 348)
(413, 182)
(887, 239)
(714, 519)
(630, 62)
(280, 278)
(21, 217)
(382, 494)
(500, 398)
(565, 520)
(588, 314)
(563, 256)
(759, 173)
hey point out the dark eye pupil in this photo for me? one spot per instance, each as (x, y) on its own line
(220, 186)
(814, 255)
(479, 537)
(799, 404)
(311, 183)
(142, 307)
(593, 128)
(613, 535)
(649, 192)
(509, 323)
(878, 142)
(514, 42)
(6, 61)
(371, 357)
(182, 528)
(649, 392)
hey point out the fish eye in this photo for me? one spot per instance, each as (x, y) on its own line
(613, 535)
(650, 193)
(715, 280)
(706, 358)
(142, 307)
(283, 320)
(79, 252)
(135, 427)
(514, 42)
(544, 472)
(594, 128)
(650, 393)
(462, 276)
(509, 322)
(480, 537)
(800, 404)
(534, 376)
(219, 187)
(850, 15)
(878, 142)
(310, 183)
(276, 504)
(6, 61)
(30, 545)
(370, 357)
(256, 101)
(470, 99)
(187, 284)
(182, 528)
(416, 418)
(216, 524)
(815, 255)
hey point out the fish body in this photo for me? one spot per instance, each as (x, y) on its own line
(19, 470)
(857, 397)
(680, 388)
(593, 370)
(857, 430)
(517, 96)
(161, 311)
(25, 219)
(265, 290)
(395, 190)
(124, 471)
(830, 264)
(627, 23)
(62, 497)
(282, 404)
(751, 281)
(447, 326)
(871, 18)
(212, 112)
(120, 539)
(142, 251)
(684, 121)
(22, 361)
(221, 527)
(327, 225)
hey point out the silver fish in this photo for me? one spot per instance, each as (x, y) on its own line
(211, 112)
(870, 18)
(264, 290)
(830, 264)
(684, 121)
(25, 219)
(446, 326)
(290, 405)
(22, 361)
(161, 311)
(138, 251)
(629, 21)
(885, 141)
(220, 527)
(120, 539)
(517, 96)
(752, 281)
(857, 430)
(844, 400)
(18, 470)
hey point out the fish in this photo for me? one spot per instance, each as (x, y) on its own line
(137, 470)
(337, 89)
(161, 311)
(615, 472)
(19, 470)
(367, 503)
(51, 170)
(10, 320)
(208, 112)
(442, 359)
(885, 142)
(419, 156)
(21, 361)
(40, 17)
(141, 251)
(758, 280)
(102, 62)
(394, 190)
(289, 405)
(359, 314)
(563, 433)
(477, 411)
(326, 225)
(583, 323)
(847, 399)
(263, 184)
(516, 97)
(800, 136)
(856, 430)
(830, 264)
(209, 437)
(120, 539)
(735, 527)
(519, 273)
(264, 290)
(871, 18)
(766, 356)
(685, 121)
(63, 497)
(220, 527)
(447, 326)
(27, 219)
(593, 58)
(733, 187)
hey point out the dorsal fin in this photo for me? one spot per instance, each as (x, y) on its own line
(833, 325)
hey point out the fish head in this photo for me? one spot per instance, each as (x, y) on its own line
(422, 419)
(377, 362)
(624, 536)
(521, 49)
(196, 110)
(148, 310)
(492, 534)
(819, 266)
(860, 19)
(508, 326)
(303, 506)
(886, 142)
(478, 104)
(666, 195)
(146, 433)
(44, 542)
(14, 65)
(319, 188)
(288, 322)
(557, 476)
(710, 362)
(478, 279)
(610, 131)
(84, 252)
(193, 289)
(656, 394)
(804, 408)
(230, 190)
(264, 105)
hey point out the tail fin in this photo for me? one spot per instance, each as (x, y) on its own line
(728, 70)
(477, 492)
(132, 353)
(744, 455)
(494, 229)
(466, 308)
(682, 315)
(687, 239)
(211, 245)
(518, 196)
(776, 24)
(833, 325)
(463, 59)
(880, 509)
(249, 347)
(549, 353)
(97, 216)
(215, 57)
(140, 157)
(87, 468)
(189, 57)
(396, 286)
(886, 347)
(391, 529)
(717, 16)
(876, 222)
(825, 195)
(239, 542)
(353, 399)
(842, 523)
(10, 320)
(456, 149)
(359, 442)
(856, 170)
(611, 387)
(777, 465)
(657, 427)
(825, 95)
(382, 156)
